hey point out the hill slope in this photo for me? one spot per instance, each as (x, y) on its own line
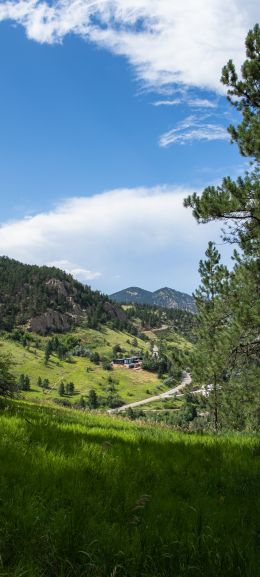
(164, 297)
(126, 385)
(47, 299)
(85, 495)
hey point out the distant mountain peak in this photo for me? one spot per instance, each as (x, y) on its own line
(165, 297)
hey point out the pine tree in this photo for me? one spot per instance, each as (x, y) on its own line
(244, 95)
(210, 359)
(70, 388)
(45, 383)
(47, 352)
(237, 205)
(21, 382)
(92, 399)
(27, 383)
(61, 389)
(7, 379)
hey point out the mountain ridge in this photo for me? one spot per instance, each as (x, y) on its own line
(46, 299)
(165, 297)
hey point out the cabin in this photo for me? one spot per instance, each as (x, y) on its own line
(128, 363)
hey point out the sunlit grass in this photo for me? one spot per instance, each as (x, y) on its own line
(131, 385)
(85, 495)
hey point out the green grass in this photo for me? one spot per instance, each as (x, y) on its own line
(131, 385)
(95, 496)
(165, 404)
(174, 340)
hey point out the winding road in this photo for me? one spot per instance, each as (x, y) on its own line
(186, 380)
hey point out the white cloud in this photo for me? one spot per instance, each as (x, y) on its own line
(192, 102)
(191, 129)
(167, 41)
(174, 102)
(78, 272)
(201, 103)
(145, 236)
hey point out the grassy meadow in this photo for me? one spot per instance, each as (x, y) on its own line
(131, 385)
(85, 495)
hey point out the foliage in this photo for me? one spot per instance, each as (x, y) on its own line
(244, 95)
(229, 328)
(210, 358)
(24, 383)
(61, 389)
(154, 317)
(92, 399)
(7, 379)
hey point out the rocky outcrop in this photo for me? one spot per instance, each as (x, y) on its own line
(50, 321)
(115, 312)
(59, 286)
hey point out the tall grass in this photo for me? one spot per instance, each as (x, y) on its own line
(84, 495)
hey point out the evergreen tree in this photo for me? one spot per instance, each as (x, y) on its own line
(61, 351)
(237, 204)
(7, 379)
(47, 352)
(61, 389)
(92, 399)
(24, 383)
(70, 387)
(45, 383)
(211, 355)
(21, 382)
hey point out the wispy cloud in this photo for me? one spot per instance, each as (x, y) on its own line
(193, 129)
(168, 42)
(201, 103)
(78, 272)
(174, 102)
(131, 233)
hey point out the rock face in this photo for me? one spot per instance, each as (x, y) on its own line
(50, 321)
(115, 312)
(165, 298)
(59, 286)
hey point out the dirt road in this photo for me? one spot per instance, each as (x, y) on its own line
(186, 380)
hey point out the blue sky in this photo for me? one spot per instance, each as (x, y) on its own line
(106, 124)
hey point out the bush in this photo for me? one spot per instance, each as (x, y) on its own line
(106, 365)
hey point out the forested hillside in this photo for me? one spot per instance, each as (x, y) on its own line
(158, 318)
(47, 299)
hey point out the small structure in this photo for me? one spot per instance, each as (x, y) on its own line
(128, 363)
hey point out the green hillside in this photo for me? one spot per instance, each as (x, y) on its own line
(47, 299)
(93, 496)
(129, 385)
